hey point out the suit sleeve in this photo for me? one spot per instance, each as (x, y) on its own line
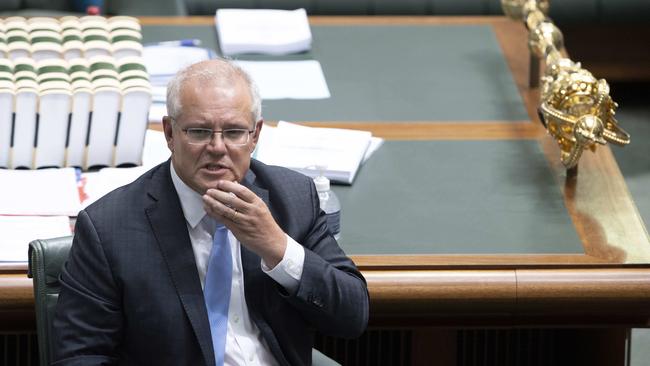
(332, 293)
(87, 326)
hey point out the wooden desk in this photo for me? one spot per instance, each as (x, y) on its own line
(605, 284)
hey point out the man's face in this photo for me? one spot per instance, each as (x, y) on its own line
(205, 105)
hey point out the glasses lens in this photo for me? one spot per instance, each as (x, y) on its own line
(235, 136)
(199, 135)
(202, 136)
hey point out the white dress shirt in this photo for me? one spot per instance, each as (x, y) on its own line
(244, 343)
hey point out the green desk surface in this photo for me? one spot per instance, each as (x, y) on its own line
(456, 197)
(394, 73)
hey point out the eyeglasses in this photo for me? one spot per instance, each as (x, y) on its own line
(231, 136)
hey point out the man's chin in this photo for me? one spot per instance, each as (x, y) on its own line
(211, 177)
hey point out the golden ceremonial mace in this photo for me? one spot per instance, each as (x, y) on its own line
(575, 107)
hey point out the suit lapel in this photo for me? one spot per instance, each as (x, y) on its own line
(168, 224)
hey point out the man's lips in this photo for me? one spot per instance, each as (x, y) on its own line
(215, 168)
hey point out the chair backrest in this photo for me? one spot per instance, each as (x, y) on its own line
(46, 258)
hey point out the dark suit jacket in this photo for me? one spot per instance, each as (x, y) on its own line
(131, 293)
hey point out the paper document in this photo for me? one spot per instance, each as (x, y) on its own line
(375, 144)
(39, 192)
(288, 79)
(155, 149)
(275, 32)
(161, 60)
(98, 184)
(162, 63)
(304, 149)
(18, 231)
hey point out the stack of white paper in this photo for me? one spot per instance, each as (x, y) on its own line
(39, 192)
(288, 79)
(98, 184)
(275, 32)
(308, 150)
(162, 63)
(18, 231)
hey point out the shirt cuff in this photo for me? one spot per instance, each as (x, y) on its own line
(289, 271)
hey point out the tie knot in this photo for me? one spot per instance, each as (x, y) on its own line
(220, 236)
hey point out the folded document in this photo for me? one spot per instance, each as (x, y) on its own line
(274, 32)
(18, 231)
(288, 79)
(51, 192)
(162, 63)
(337, 152)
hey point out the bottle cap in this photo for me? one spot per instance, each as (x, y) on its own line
(321, 182)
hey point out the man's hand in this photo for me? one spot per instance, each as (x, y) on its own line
(247, 216)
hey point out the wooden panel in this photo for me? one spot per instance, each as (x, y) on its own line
(427, 295)
(606, 291)
(601, 206)
(462, 261)
(16, 292)
(342, 20)
(442, 130)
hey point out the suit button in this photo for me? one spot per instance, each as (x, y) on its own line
(317, 301)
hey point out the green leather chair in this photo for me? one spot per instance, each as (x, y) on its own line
(46, 258)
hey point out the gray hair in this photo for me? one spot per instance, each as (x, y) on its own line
(218, 71)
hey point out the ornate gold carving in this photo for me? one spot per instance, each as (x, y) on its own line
(576, 108)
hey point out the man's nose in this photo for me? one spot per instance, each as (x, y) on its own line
(217, 142)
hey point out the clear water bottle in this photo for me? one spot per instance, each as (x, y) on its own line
(330, 204)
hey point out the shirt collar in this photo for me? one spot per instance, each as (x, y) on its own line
(191, 201)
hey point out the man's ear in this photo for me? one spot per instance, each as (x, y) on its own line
(168, 130)
(256, 134)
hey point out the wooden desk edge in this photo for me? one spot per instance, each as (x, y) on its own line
(604, 293)
(336, 20)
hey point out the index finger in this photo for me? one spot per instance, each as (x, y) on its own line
(242, 192)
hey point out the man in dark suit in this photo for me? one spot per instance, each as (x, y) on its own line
(137, 286)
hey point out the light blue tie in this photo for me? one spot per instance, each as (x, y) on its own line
(217, 290)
